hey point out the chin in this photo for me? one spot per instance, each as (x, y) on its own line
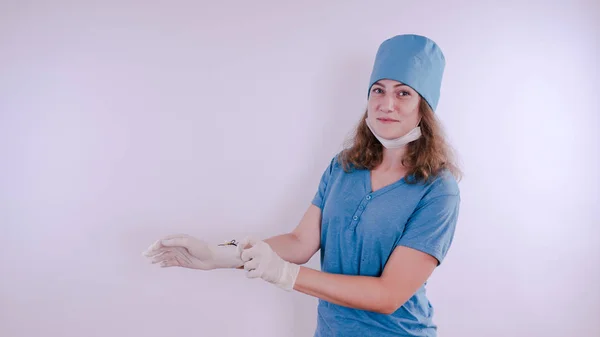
(389, 134)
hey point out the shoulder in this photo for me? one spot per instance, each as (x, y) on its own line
(443, 185)
(336, 171)
(336, 164)
(332, 171)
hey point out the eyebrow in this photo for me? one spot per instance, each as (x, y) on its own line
(395, 85)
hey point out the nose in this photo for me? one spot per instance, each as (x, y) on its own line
(388, 104)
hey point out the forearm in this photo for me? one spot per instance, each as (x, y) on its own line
(288, 247)
(359, 292)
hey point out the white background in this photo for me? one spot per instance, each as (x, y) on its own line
(123, 121)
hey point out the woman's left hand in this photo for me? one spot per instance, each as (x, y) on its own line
(261, 261)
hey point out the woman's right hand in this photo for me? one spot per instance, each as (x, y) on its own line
(189, 252)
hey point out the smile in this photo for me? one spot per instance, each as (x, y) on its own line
(387, 120)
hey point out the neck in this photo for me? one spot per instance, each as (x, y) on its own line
(392, 159)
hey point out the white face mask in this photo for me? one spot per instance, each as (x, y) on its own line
(411, 136)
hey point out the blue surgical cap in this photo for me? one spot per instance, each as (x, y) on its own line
(413, 60)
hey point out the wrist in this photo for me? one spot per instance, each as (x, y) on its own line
(288, 276)
(227, 255)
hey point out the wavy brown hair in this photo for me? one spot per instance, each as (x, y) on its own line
(425, 157)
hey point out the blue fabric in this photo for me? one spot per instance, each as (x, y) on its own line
(414, 60)
(361, 228)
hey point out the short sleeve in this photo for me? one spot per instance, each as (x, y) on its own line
(319, 197)
(431, 227)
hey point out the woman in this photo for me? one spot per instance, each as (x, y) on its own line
(383, 216)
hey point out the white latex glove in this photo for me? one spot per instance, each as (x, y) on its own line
(261, 261)
(189, 252)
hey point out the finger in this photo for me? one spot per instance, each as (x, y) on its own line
(180, 262)
(252, 264)
(249, 241)
(157, 245)
(183, 256)
(161, 250)
(166, 255)
(170, 263)
(255, 273)
(176, 242)
(251, 253)
(152, 249)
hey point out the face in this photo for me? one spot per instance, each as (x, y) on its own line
(393, 108)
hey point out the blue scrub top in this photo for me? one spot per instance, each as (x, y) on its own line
(359, 231)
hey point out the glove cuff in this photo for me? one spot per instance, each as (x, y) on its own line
(228, 255)
(288, 277)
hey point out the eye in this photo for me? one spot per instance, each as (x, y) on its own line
(377, 90)
(404, 93)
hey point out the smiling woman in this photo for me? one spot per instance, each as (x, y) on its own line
(395, 108)
(396, 116)
(383, 216)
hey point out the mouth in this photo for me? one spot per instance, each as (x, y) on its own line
(387, 120)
